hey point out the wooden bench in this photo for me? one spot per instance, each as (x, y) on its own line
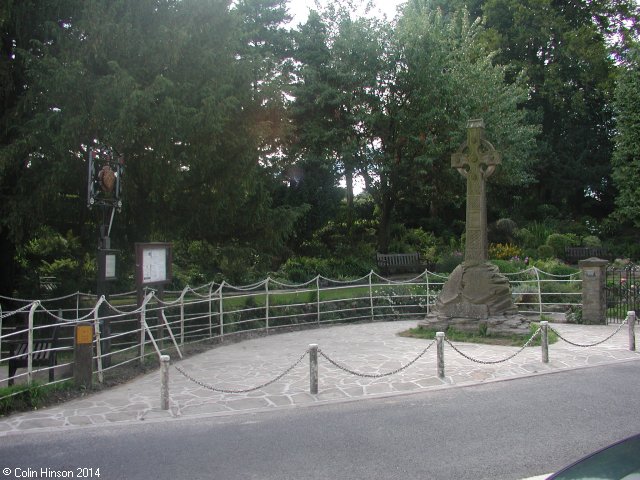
(44, 354)
(390, 263)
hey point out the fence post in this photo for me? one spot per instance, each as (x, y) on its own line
(318, 296)
(426, 276)
(535, 269)
(96, 327)
(1, 332)
(83, 354)
(631, 319)
(164, 387)
(371, 294)
(266, 288)
(143, 323)
(440, 356)
(544, 341)
(313, 369)
(221, 311)
(184, 292)
(32, 312)
(210, 311)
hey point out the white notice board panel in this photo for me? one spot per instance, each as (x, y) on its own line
(110, 266)
(153, 263)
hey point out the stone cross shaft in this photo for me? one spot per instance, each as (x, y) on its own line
(476, 159)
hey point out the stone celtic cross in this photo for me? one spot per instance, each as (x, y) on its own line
(476, 159)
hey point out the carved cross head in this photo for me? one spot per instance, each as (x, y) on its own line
(476, 153)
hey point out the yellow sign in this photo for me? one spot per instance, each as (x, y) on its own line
(84, 334)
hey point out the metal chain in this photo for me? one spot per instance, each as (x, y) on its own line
(223, 390)
(493, 362)
(374, 375)
(590, 344)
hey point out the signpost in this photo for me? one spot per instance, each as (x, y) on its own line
(104, 179)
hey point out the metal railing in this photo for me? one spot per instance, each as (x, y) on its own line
(216, 311)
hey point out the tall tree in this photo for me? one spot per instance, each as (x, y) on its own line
(28, 29)
(159, 81)
(340, 61)
(626, 158)
(442, 76)
(264, 50)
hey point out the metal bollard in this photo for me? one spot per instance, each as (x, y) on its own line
(164, 378)
(631, 320)
(313, 369)
(544, 340)
(440, 356)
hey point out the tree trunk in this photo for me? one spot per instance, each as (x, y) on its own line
(384, 228)
(348, 174)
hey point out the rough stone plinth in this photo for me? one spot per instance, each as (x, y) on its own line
(475, 290)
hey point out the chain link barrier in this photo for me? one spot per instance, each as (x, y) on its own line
(374, 375)
(396, 371)
(253, 389)
(589, 344)
(494, 362)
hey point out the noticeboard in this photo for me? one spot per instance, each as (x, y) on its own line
(153, 263)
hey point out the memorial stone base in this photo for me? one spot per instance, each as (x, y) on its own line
(477, 298)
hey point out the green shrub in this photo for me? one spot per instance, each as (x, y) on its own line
(534, 235)
(591, 241)
(559, 242)
(509, 266)
(448, 262)
(416, 240)
(554, 267)
(303, 269)
(545, 251)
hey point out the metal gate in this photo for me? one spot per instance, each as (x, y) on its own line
(622, 289)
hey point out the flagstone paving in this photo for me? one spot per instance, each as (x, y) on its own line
(370, 349)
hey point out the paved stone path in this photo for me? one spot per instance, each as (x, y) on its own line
(369, 348)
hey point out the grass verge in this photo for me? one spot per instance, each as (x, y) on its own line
(478, 337)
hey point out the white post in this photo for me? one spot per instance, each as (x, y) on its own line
(266, 288)
(164, 387)
(539, 291)
(184, 292)
(544, 341)
(96, 326)
(318, 296)
(313, 369)
(143, 323)
(440, 356)
(371, 295)
(32, 312)
(426, 276)
(210, 310)
(631, 320)
(221, 311)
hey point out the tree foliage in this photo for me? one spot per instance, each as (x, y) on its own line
(237, 129)
(626, 158)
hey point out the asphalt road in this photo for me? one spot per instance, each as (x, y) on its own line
(503, 430)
